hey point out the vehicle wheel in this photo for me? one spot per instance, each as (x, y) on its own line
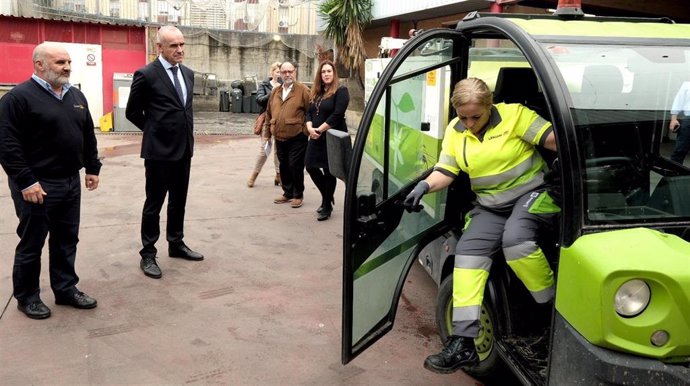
(490, 368)
(444, 307)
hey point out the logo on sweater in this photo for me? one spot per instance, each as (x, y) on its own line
(81, 107)
(498, 135)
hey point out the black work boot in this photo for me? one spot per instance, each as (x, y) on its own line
(458, 352)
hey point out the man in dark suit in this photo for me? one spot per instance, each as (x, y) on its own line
(160, 105)
(46, 137)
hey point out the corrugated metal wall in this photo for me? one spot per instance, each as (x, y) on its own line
(123, 47)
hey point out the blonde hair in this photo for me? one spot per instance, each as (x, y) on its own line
(275, 66)
(471, 90)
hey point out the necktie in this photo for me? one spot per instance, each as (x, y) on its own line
(178, 87)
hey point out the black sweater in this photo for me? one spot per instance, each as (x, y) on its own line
(263, 93)
(43, 137)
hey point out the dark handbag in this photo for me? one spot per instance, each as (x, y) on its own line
(259, 123)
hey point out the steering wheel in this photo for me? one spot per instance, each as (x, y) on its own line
(610, 161)
(613, 175)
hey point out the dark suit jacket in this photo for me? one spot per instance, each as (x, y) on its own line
(155, 108)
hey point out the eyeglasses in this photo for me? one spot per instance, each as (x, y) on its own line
(287, 71)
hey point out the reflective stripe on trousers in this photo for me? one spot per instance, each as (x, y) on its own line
(472, 272)
(532, 269)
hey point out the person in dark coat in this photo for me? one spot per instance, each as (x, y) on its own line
(326, 112)
(46, 137)
(262, 95)
(160, 105)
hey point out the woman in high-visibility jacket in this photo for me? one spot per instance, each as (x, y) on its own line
(496, 146)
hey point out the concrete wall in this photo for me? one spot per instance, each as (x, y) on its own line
(239, 55)
(233, 55)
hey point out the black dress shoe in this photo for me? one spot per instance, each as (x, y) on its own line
(325, 214)
(34, 310)
(458, 352)
(150, 268)
(325, 204)
(183, 252)
(77, 300)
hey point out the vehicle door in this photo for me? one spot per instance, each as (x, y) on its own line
(397, 144)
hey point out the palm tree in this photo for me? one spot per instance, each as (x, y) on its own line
(345, 21)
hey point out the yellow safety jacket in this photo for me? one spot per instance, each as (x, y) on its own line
(502, 162)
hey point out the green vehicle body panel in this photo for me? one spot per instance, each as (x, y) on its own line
(593, 268)
(612, 29)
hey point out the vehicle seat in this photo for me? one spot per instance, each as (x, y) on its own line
(520, 85)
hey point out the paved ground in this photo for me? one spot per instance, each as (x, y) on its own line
(263, 308)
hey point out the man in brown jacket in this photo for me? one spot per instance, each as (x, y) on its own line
(285, 112)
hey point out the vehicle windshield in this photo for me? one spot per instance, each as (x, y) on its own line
(621, 100)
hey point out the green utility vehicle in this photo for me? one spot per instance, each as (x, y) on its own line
(622, 252)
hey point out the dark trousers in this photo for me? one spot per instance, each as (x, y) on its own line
(171, 178)
(682, 141)
(59, 216)
(291, 158)
(325, 182)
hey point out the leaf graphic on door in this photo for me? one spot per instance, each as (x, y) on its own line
(404, 105)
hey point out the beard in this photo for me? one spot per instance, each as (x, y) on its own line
(56, 78)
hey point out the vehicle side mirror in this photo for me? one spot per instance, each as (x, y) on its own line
(339, 148)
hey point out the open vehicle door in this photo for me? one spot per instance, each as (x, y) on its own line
(396, 149)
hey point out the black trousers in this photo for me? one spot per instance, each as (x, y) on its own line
(59, 216)
(164, 178)
(291, 157)
(325, 182)
(682, 141)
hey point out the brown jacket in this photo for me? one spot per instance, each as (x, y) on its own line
(286, 117)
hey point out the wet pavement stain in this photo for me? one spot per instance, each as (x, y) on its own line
(210, 294)
(135, 148)
(111, 330)
(119, 150)
(209, 128)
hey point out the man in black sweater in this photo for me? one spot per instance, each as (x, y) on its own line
(46, 137)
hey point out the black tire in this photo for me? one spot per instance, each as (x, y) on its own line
(444, 307)
(491, 369)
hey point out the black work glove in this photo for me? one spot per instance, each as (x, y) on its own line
(552, 180)
(412, 200)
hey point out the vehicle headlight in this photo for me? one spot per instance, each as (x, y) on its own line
(632, 298)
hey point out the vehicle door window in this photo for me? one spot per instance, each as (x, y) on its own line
(488, 56)
(412, 114)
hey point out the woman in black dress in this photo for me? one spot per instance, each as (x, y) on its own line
(326, 112)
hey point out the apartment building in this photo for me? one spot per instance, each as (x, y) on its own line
(271, 16)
